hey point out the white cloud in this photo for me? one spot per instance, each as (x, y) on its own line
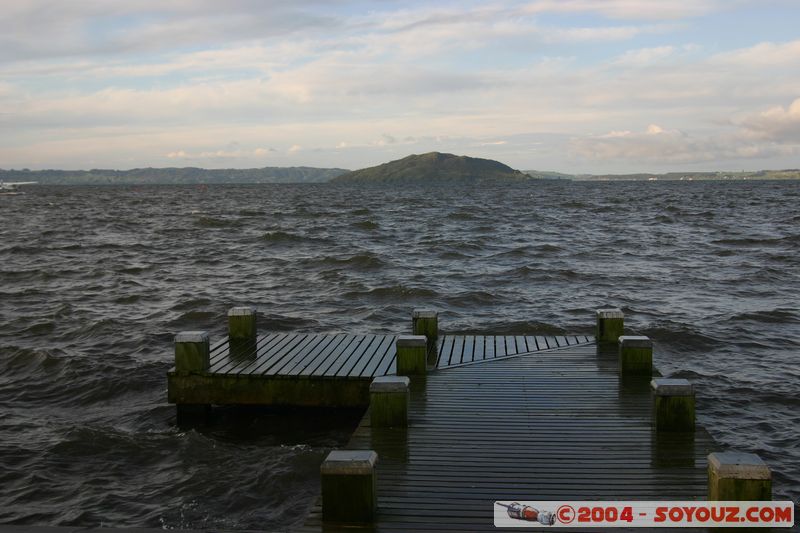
(766, 54)
(645, 56)
(657, 145)
(629, 9)
(777, 123)
(232, 152)
(492, 143)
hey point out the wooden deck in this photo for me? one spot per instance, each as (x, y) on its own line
(548, 425)
(330, 370)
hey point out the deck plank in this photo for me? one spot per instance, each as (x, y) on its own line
(297, 356)
(499, 346)
(530, 340)
(384, 350)
(314, 355)
(278, 356)
(387, 365)
(322, 365)
(447, 349)
(345, 355)
(281, 342)
(479, 354)
(458, 349)
(489, 347)
(365, 350)
(469, 349)
(522, 346)
(554, 426)
(227, 364)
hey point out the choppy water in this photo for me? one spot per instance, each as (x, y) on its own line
(95, 281)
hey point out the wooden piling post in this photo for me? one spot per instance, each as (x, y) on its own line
(242, 330)
(191, 352)
(349, 486)
(673, 405)
(425, 322)
(737, 476)
(610, 324)
(635, 355)
(388, 404)
(192, 357)
(412, 351)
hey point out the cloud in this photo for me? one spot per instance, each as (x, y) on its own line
(645, 56)
(230, 153)
(776, 124)
(629, 9)
(592, 34)
(492, 143)
(657, 145)
(102, 28)
(761, 55)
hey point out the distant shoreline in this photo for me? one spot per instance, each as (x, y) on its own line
(299, 175)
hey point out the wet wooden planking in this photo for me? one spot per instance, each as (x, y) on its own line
(554, 426)
(367, 356)
(368, 365)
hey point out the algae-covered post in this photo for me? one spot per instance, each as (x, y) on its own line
(736, 476)
(388, 405)
(192, 357)
(412, 353)
(242, 330)
(610, 324)
(191, 352)
(635, 355)
(673, 405)
(425, 322)
(349, 493)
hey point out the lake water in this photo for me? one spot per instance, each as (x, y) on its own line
(96, 281)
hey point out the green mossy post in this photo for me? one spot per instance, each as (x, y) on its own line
(349, 486)
(242, 330)
(424, 322)
(388, 405)
(635, 355)
(736, 476)
(191, 352)
(610, 324)
(192, 358)
(412, 351)
(673, 405)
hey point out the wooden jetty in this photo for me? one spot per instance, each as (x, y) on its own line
(320, 370)
(485, 418)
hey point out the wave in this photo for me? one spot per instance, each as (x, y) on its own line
(213, 222)
(778, 315)
(363, 261)
(280, 236)
(400, 292)
(366, 225)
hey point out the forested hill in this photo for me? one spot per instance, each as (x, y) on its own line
(434, 167)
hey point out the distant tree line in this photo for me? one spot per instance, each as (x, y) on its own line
(187, 175)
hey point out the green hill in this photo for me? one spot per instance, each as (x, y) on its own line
(434, 168)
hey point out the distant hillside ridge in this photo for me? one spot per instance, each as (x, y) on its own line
(174, 176)
(434, 167)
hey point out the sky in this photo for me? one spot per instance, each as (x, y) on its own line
(580, 86)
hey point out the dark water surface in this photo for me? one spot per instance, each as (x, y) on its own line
(95, 282)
